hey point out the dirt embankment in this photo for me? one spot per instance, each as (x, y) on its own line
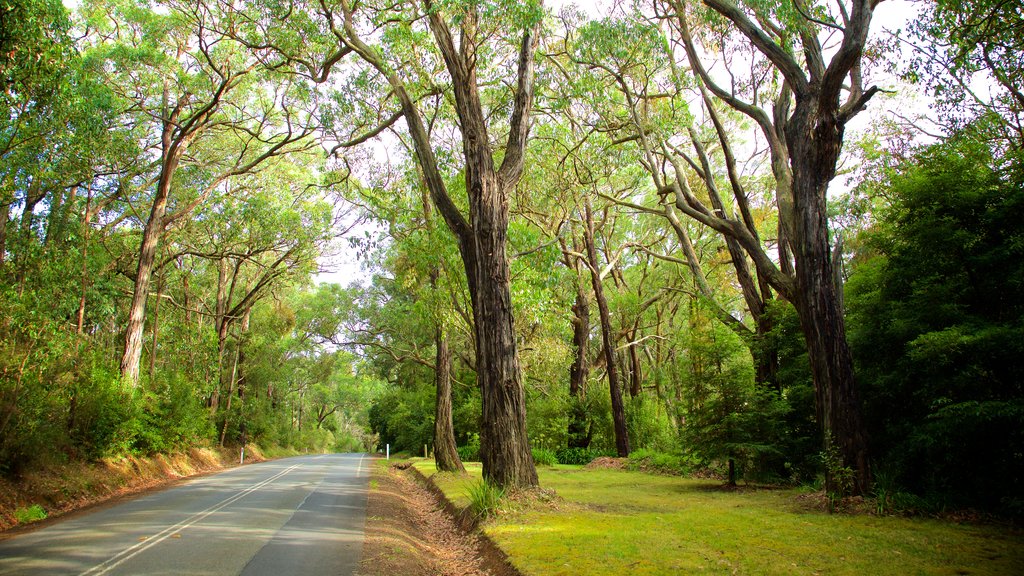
(409, 532)
(65, 487)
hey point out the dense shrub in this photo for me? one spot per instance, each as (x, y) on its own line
(936, 321)
(661, 462)
(542, 457)
(470, 452)
(576, 456)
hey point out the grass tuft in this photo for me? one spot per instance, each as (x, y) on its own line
(33, 513)
(484, 499)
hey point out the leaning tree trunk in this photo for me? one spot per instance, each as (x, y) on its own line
(132, 356)
(817, 295)
(618, 408)
(446, 456)
(172, 151)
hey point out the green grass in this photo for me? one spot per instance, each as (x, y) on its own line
(33, 513)
(619, 522)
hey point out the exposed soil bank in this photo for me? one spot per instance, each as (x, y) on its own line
(66, 487)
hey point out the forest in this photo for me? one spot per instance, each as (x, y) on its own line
(777, 242)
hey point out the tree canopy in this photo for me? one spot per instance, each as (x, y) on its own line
(578, 234)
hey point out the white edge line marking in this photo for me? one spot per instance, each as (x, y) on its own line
(166, 533)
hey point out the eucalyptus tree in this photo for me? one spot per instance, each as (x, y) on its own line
(953, 45)
(773, 72)
(417, 263)
(806, 83)
(404, 52)
(208, 104)
(34, 42)
(266, 235)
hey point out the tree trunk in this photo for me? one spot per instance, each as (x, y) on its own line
(156, 327)
(151, 233)
(817, 298)
(504, 446)
(132, 355)
(86, 229)
(220, 321)
(5, 216)
(636, 375)
(618, 408)
(446, 456)
(578, 433)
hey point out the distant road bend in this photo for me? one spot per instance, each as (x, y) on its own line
(301, 515)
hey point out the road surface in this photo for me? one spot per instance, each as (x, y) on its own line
(301, 515)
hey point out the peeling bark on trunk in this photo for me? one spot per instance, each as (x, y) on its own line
(504, 446)
(5, 216)
(172, 150)
(132, 356)
(817, 298)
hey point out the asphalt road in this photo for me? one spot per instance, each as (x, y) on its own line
(301, 515)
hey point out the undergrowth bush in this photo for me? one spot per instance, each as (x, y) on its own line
(542, 457)
(470, 452)
(576, 456)
(33, 513)
(660, 462)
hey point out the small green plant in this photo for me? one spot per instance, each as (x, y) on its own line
(838, 478)
(484, 499)
(542, 457)
(33, 513)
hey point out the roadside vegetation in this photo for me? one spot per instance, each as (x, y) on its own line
(45, 492)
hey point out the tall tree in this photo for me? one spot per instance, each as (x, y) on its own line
(607, 334)
(817, 94)
(482, 233)
(196, 91)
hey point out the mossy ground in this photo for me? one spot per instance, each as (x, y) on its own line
(621, 522)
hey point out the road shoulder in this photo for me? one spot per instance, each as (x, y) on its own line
(408, 531)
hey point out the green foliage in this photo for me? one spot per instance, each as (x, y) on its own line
(841, 477)
(484, 499)
(404, 418)
(470, 452)
(576, 456)
(542, 457)
(936, 320)
(661, 462)
(648, 425)
(729, 420)
(33, 513)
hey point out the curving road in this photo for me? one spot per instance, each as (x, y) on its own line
(301, 515)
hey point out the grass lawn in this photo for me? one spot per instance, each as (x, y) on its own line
(619, 522)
